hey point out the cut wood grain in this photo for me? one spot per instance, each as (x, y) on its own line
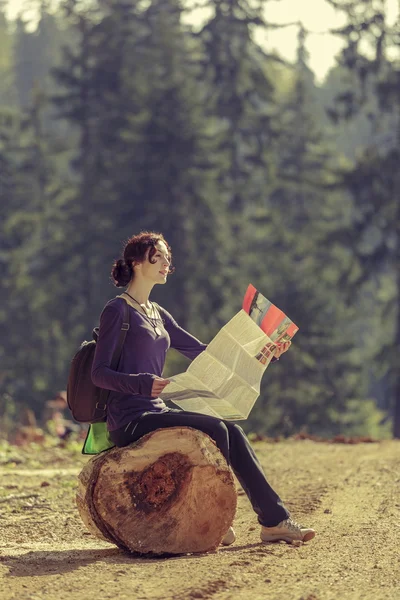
(171, 492)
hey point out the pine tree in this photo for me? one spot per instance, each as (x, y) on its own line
(7, 88)
(373, 181)
(82, 102)
(33, 251)
(240, 97)
(174, 166)
(24, 53)
(301, 276)
(130, 90)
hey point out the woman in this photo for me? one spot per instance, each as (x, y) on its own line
(134, 407)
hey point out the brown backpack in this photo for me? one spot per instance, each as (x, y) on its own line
(87, 402)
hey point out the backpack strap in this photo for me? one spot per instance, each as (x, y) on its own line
(124, 328)
(102, 403)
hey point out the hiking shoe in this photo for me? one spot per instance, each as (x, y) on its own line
(229, 537)
(288, 531)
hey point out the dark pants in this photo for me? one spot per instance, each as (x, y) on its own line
(234, 445)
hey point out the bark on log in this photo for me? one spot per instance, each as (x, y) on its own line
(171, 492)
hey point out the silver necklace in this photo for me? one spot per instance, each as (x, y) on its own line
(152, 321)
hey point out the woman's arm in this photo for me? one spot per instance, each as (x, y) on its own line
(184, 342)
(181, 340)
(102, 375)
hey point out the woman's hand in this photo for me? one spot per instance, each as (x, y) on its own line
(158, 385)
(282, 348)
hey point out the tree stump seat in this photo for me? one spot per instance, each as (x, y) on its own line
(171, 492)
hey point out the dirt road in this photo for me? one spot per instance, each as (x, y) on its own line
(349, 493)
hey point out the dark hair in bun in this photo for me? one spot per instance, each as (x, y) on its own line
(121, 273)
(135, 250)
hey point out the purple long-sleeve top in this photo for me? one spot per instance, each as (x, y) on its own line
(143, 357)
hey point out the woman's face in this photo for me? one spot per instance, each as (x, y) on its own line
(158, 271)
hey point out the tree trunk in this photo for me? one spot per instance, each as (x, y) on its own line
(395, 370)
(170, 492)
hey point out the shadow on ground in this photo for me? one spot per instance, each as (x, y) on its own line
(46, 562)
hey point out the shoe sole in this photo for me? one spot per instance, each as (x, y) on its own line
(289, 540)
(229, 539)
